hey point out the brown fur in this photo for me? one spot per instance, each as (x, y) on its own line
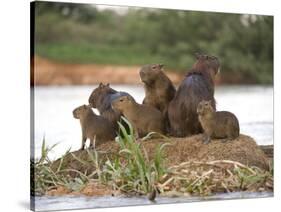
(159, 89)
(101, 98)
(220, 125)
(198, 85)
(93, 126)
(144, 118)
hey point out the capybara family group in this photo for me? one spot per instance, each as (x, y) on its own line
(188, 110)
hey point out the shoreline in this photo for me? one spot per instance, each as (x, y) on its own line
(49, 72)
(77, 202)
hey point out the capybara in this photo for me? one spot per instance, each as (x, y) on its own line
(143, 118)
(197, 85)
(101, 99)
(221, 125)
(159, 90)
(93, 126)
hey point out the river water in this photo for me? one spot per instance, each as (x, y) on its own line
(82, 202)
(253, 105)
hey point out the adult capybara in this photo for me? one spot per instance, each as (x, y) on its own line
(94, 127)
(198, 85)
(143, 118)
(220, 125)
(159, 90)
(101, 99)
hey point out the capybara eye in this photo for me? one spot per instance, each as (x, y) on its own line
(121, 100)
(154, 67)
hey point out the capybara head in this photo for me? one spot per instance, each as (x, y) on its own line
(122, 103)
(207, 62)
(149, 73)
(98, 93)
(204, 107)
(81, 111)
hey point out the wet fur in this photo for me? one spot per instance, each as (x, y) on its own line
(198, 85)
(101, 99)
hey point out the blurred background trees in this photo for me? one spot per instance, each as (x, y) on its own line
(81, 33)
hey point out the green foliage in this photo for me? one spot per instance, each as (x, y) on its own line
(135, 173)
(82, 33)
(44, 178)
(131, 171)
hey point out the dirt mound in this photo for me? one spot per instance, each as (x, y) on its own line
(243, 149)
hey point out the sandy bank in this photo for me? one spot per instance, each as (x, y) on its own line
(47, 72)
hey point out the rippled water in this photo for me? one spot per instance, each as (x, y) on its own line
(253, 106)
(83, 202)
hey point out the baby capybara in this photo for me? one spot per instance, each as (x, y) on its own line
(221, 125)
(93, 126)
(198, 85)
(101, 99)
(143, 118)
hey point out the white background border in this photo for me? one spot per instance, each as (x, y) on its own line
(14, 66)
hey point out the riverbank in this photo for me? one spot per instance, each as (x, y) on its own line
(49, 72)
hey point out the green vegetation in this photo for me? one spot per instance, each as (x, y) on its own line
(133, 171)
(130, 172)
(44, 178)
(81, 33)
(136, 173)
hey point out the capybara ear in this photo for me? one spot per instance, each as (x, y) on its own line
(161, 65)
(128, 98)
(100, 85)
(107, 85)
(197, 55)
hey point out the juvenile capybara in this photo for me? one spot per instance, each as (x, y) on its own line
(143, 118)
(197, 85)
(93, 126)
(101, 99)
(221, 125)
